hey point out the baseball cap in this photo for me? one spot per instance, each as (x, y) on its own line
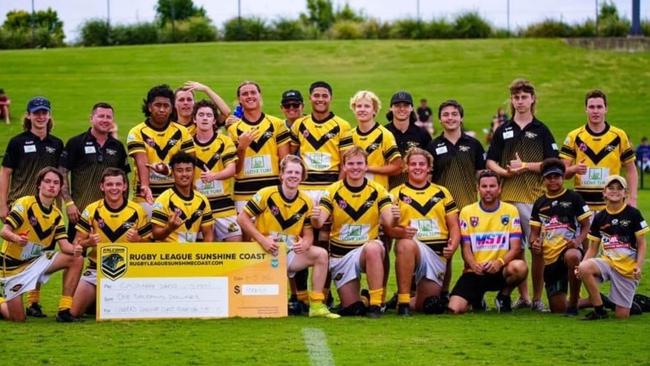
(616, 178)
(291, 96)
(552, 169)
(37, 104)
(401, 97)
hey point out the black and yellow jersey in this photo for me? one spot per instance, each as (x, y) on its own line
(558, 218)
(214, 156)
(617, 232)
(381, 147)
(455, 166)
(190, 127)
(279, 216)
(194, 211)
(43, 227)
(355, 213)
(425, 209)
(533, 144)
(261, 164)
(489, 232)
(112, 224)
(321, 144)
(159, 145)
(604, 153)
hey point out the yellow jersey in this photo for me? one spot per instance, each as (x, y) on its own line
(214, 156)
(381, 147)
(194, 211)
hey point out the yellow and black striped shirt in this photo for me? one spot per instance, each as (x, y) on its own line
(214, 156)
(381, 147)
(194, 211)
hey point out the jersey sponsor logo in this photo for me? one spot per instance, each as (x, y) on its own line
(644, 224)
(114, 261)
(375, 144)
(490, 239)
(508, 134)
(213, 160)
(111, 152)
(16, 287)
(189, 221)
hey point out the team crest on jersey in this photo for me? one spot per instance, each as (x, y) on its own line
(435, 199)
(565, 204)
(374, 146)
(101, 223)
(407, 200)
(275, 211)
(305, 133)
(463, 148)
(615, 222)
(343, 204)
(583, 146)
(625, 223)
(216, 156)
(150, 142)
(610, 147)
(530, 135)
(505, 219)
(127, 225)
(111, 152)
(268, 134)
(473, 221)
(114, 261)
(411, 144)
(33, 221)
(369, 203)
(50, 149)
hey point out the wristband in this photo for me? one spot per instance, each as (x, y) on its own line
(69, 203)
(503, 263)
(524, 165)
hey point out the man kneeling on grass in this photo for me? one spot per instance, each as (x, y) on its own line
(621, 230)
(33, 224)
(491, 238)
(282, 214)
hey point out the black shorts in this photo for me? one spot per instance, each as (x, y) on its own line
(472, 287)
(556, 276)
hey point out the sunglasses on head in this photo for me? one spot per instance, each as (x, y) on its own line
(291, 105)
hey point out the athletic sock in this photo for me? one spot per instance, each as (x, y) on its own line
(34, 297)
(316, 298)
(600, 309)
(403, 298)
(375, 296)
(65, 303)
(303, 296)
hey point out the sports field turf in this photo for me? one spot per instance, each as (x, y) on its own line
(476, 73)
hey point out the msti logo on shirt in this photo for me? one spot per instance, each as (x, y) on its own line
(491, 241)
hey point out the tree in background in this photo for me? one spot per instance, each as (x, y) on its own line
(22, 29)
(168, 10)
(320, 13)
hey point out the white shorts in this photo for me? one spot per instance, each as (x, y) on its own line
(90, 276)
(27, 280)
(290, 257)
(525, 210)
(239, 206)
(348, 267)
(148, 208)
(431, 266)
(622, 289)
(315, 195)
(226, 227)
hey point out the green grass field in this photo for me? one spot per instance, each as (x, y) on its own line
(476, 73)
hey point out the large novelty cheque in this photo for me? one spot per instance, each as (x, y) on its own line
(207, 280)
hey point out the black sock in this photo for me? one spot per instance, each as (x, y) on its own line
(599, 309)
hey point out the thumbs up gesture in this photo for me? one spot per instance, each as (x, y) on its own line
(93, 238)
(174, 221)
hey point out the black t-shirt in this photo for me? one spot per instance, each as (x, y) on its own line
(424, 113)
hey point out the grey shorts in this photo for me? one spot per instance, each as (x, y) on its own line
(623, 288)
(431, 266)
(525, 210)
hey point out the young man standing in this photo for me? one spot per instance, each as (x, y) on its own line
(181, 213)
(515, 154)
(559, 224)
(356, 206)
(111, 219)
(32, 226)
(427, 235)
(282, 214)
(184, 104)
(491, 242)
(621, 230)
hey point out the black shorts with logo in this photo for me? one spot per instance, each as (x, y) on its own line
(472, 287)
(556, 276)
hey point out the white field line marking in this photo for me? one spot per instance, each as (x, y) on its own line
(316, 342)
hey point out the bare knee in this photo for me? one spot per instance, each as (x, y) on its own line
(587, 267)
(374, 250)
(517, 268)
(572, 257)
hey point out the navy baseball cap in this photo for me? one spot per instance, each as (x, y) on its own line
(401, 97)
(291, 96)
(38, 104)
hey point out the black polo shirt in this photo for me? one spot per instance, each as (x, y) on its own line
(86, 160)
(414, 136)
(455, 166)
(26, 155)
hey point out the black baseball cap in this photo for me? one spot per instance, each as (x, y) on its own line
(401, 97)
(291, 96)
(37, 104)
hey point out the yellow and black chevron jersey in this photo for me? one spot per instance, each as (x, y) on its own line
(617, 233)
(489, 232)
(425, 209)
(43, 226)
(214, 156)
(558, 218)
(261, 164)
(604, 153)
(112, 224)
(278, 215)
(355, 214)
(193, 210)
(320, 146)
(159, 145)
(191, 128)
(533, 143)
(381, 147)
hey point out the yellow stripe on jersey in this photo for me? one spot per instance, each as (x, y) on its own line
(278, 215)
(604, 153)
(425, 209)
(194, 211)
(489, 233)
(112, 224)
(355, 214)
(214, 156)
(42, 226)
(381, 147)
(159, 145)
(261, 164)
(321, 144)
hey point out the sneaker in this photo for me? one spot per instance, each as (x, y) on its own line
(571, 311)
(503, 303)
(392, 303)
(35, 310)
(403, 310)
(321, 311)
(374, 312)
(593, 315)
(522, 304)
(607, 303)
(64, 316)
(538, 306)
(294, 307)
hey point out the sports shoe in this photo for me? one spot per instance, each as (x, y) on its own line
(35, 310)
(607, 303)
(593, 315)
(321, 311)
(503, 303)
(64, 316)
(365, 294)
(392, 303)
(374, 312)
(522, 304)
(571, 311)
(538, 306)
(403, 310)
(294, 307)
